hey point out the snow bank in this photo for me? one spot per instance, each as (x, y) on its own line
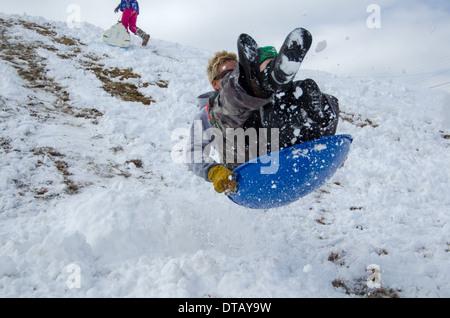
(93, 204)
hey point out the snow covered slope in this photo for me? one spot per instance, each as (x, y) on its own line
(95, 202)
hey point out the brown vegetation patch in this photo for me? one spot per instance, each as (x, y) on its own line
(29, 65)
(360, 288)
(115, 82)
(357, 120)
(137, 162)
(45, 29)
(5, 144)
(61, 165)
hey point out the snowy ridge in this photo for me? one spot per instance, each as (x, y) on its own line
(94, 202)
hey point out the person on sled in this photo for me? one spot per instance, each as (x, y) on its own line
(130, 9)
(256, 91)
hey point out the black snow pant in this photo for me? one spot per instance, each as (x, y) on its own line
(301, 113)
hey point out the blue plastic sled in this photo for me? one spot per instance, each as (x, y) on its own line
(283, 177)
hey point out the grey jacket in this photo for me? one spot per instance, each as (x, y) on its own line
(201, 140)
(229, 108)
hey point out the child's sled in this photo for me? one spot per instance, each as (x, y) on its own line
(117, 35)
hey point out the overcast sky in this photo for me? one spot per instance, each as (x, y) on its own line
(383, 38)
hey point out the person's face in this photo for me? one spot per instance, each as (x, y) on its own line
(224, 69)
(264, 64)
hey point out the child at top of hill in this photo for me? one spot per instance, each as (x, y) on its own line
(130, 9)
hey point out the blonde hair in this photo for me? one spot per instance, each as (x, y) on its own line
(219, 58)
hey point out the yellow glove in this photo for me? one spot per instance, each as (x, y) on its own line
(223, 179)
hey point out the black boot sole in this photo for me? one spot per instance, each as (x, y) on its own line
(280, 72)
(249, 56)
(291, 55)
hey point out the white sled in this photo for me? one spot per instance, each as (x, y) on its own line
(117, 35)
